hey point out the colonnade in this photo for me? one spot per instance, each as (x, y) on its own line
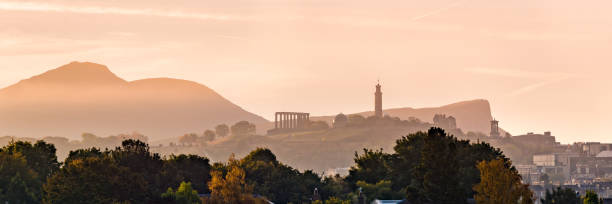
(290, 120)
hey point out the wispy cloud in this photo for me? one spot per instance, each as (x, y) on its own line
(438, 11)
(534, 86)
(515, 73)
(542, 78)
(46, 7)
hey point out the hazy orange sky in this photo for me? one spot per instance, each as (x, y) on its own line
(543, 64)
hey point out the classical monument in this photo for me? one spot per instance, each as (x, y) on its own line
(378, 102)
(289, 121)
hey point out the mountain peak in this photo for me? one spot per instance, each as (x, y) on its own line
(81, 73)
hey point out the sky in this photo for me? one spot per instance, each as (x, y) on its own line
(544, 65)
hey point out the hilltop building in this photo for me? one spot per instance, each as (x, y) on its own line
(495, 128)
(290, 122)
(378, 102)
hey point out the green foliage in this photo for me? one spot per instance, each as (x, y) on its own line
(561, 196)
(40, 162)
(185, 194)
(591, 198)
(429, 166)
(95, 180)
(40, 157)
(335, 186)
(83, 153)
(136, 157)
(276, 181)
(189, 168)
(18, 182)
(371, 167)
(381, 190)
(130, 173)
(334, 200)
(436, 176)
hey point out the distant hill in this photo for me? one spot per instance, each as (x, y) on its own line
(472, 115)
(87, 97)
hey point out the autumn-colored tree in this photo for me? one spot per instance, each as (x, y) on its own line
(231, 189)
(500, 184)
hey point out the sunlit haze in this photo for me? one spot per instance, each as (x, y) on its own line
(543, 65)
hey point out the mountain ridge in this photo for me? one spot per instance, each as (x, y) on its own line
(87, 97)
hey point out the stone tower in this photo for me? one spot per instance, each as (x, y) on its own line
(378, 102)
(495, 128)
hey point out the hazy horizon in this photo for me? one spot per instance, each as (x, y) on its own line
(542, 65)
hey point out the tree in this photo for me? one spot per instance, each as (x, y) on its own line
(222, 130)
(340, 120)
(83, 153)
(209, 135)
(561, 196)
(381, 190)
(500, 184)
(183, 195)
(356, 120)
(403, 167)
(335, 186)
(276, 181)
(95, 180)
(40, 157)
(18, 182)
(243, 128)
(231, 189)
(591, 198)
(370, 167)
(136, 157)
(436, 176)
(187, 168)
(188, 138)
(334, 200)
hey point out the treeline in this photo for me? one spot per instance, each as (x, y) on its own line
(425, 167)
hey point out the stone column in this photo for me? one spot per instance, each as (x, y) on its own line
(302, 120)
(275, 120)
(282, 120)
(299, 119)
